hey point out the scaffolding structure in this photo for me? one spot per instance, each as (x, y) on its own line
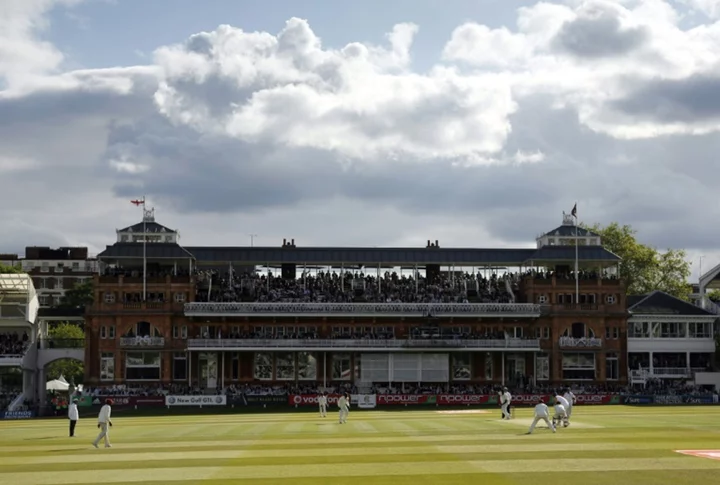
(19, 303)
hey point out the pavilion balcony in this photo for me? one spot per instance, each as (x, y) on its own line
(364, 344)
(458, 310)
(142, 342)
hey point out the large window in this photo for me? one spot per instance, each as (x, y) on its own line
(700, 330)
(489, 371)
(461, 368)
(142, 366)
(285, 366)
(107, 366)
(307, 366)
(612, 368)
(180, 366)
(542, 367)
(341, 369)
(263, 367)
(578, 366)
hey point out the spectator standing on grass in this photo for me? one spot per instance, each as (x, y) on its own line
(541, 414)
(73, 416)
(103, 423)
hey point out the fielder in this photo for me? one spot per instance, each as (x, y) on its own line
(571, 399)
(344, 405)
(103, 423)
(322, 401)
(541, 413)
(505, 400)
(561, 417)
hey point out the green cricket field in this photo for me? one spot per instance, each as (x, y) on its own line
(604, 445)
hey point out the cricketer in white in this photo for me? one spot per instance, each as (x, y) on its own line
(103, 423)
(541, 413)
(561, 417)
(505, 400)
(571, 399)
(344, 405)
(322, 402)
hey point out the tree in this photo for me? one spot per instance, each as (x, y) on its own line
(714, 295)
(643, 267)
(5, 269)
(66, 335)
(80, 296)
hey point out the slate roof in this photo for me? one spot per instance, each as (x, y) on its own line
(153, 251)
(150, 227)
(569, 231)
(660, 303)
(360, 256)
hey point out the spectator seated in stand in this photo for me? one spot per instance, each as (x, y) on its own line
(13, 344)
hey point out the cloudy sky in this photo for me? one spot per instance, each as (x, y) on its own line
(474, 122)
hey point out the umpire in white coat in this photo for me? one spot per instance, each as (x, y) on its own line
(73, 416)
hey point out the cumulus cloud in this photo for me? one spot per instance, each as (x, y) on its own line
(232, 132)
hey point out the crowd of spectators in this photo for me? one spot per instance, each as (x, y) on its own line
(7, 396)
(424, 333)
(351, 287)
(13, 344)
(654, 388)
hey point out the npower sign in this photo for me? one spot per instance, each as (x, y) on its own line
(195, 400)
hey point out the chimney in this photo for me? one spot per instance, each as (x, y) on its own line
(428, 244)
(436, 243)
(284, 242)
(292, 242)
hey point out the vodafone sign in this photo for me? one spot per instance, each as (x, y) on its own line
(310, 400)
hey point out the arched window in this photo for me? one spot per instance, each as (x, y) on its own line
(579, 330)
(142, 329)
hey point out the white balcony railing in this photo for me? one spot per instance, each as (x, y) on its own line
(579, 343)
(142, 342)
(199, 309)
(659, 372)
(363, 343)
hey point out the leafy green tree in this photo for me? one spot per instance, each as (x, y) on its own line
(5, 269)
(72, 370)
(80, 296)
(643, 267)
(714, 295)
(66, 335)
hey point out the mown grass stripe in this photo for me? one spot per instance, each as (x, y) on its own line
(333, 471)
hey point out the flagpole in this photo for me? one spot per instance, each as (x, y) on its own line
(577, 250)
(144, 252)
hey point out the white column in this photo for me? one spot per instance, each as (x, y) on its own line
(502, 366)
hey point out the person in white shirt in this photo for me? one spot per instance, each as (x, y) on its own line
(541, 413)
(322, 401)
(103, 423)
(571, 399)
(505, 400)
(73, 416)
(560, 411)
(344, 405)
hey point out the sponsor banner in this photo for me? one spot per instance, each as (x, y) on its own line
(122, 401)
(638, 399)
(462, 399)
(668, 399)
(18, 415)
(529, 399)
(310, 399)
(405, 399)
(699, 399)
(597, 399)
(195, 400)
(364, 401)
(257, 400)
